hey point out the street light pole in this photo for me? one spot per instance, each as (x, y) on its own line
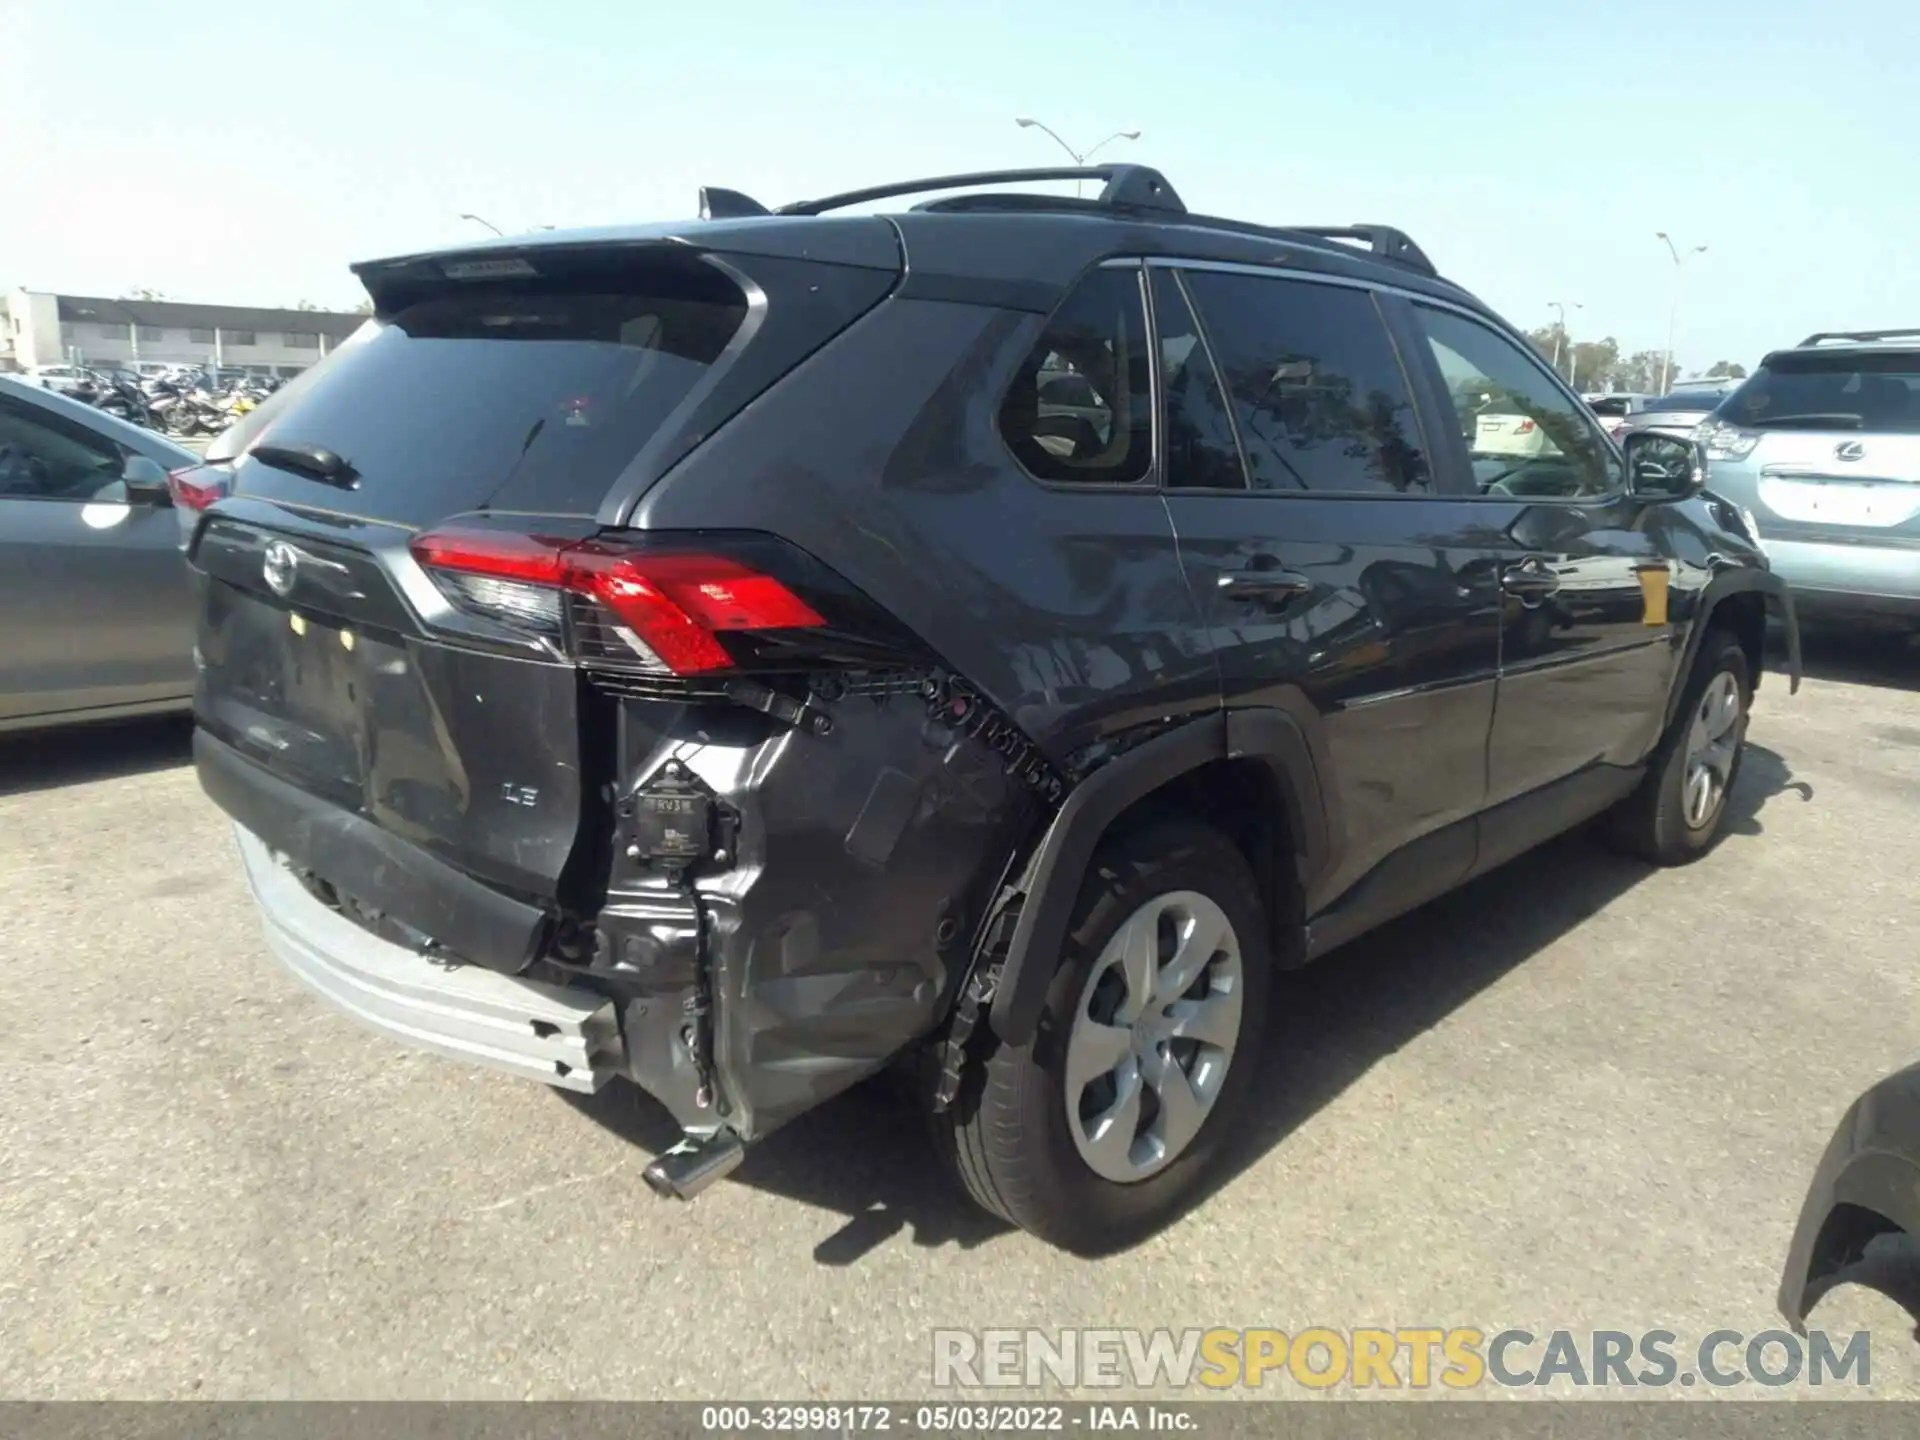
(1560, 333)
(1079, 157)
(1673, 312)
(488, 223)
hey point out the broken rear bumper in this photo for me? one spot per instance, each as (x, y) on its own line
(1866, 1185)
(569, 1038)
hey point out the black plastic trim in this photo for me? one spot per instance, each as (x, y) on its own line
(469, 920)
(1779, 598)
(1866, 1184)
(1061, 862)
(1035, 296)
(1274, 737)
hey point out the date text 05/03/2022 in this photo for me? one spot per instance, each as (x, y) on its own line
(945, 1419)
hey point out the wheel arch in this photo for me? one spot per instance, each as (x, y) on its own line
(1740, 601)
(1250, 772)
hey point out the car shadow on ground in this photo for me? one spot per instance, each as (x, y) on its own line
(867, 1154)
(50, 759)
(1859, 655)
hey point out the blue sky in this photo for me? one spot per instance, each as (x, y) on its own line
(247, 153)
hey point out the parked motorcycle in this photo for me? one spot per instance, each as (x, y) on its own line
(125, 400)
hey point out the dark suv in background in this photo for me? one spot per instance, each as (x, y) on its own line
(736, 654)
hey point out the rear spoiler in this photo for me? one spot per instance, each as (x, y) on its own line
(610, 254)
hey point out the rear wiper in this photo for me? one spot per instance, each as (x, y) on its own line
(1812, 417)
(311, 461)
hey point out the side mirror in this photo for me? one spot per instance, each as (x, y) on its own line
(146, 482)
(1664, 467)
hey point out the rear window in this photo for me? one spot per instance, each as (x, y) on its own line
(1701, 400)
(500, 398)
(1080, 410)
(1611, 405)
(1830, 392)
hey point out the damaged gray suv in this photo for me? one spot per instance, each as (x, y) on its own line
(997, 635)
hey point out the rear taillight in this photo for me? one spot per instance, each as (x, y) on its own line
(195, 487)
(662, 611)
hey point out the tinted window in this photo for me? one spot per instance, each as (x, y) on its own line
(515, 400)
(1318, 393)
(1081, 407)
(1611, 406)
(1830, 392)
(1200, 451)
(1525, 435)
(47, 457)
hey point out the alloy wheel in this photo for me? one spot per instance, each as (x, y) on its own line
(1153, 1034)
(1713, 740)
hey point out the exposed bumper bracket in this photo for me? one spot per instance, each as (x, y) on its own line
(564, 1037)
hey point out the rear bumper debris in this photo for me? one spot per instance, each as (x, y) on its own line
(565, 1037)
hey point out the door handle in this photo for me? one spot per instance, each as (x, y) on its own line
(1530, 580)
(1262, 584)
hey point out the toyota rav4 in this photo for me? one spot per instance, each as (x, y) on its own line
(999, 634)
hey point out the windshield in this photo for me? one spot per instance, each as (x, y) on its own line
(1837, 391)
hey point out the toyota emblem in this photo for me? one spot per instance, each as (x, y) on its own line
(280, 567)
(1849, 450)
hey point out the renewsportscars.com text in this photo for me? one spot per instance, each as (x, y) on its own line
(1460, 1358)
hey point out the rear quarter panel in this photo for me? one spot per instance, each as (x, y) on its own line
(1067, 609)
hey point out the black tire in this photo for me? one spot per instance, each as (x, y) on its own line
(1007, 1134)
(1652, 822)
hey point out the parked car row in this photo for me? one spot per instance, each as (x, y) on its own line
(179, 399)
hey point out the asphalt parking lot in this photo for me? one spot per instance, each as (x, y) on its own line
(1579, 1094)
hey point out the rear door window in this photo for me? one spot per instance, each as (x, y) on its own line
(505, 399)
(1201, 453)
(1080, 409)
(1320, 400)
(1832, 391)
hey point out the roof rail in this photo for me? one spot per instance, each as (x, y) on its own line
(1128, 186)
(1857, 336)
(1383, 240)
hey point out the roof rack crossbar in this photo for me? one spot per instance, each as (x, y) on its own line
(1127, 186)
(1408, 255)
(1382, 240)
(1824, 335)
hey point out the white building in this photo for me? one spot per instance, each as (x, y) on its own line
(37, 328)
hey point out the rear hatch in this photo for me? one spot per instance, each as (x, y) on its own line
(507, 402)
(1831, 440)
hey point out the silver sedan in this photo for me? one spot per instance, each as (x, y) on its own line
(96, 606)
